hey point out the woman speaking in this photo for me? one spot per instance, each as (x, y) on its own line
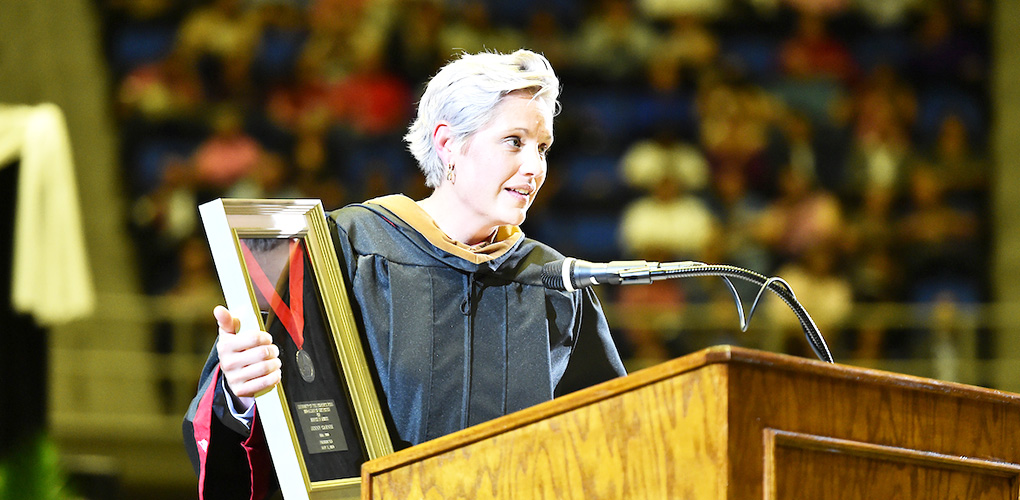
(446, 290)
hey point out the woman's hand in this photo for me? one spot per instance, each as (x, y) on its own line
(249, 360)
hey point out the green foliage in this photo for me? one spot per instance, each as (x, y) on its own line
(32, 472)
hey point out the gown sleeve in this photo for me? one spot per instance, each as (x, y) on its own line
(594, 357)
(230, 461)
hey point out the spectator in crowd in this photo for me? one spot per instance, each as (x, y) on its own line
(413, 49)
(689, 45)
(940, 239)
(800, 218)
(546, 33)
(473, 31)
(268, 179)
(870, 239)
(227, 155)
(954, 160)
(885, 110)
(815, 149)
(812, 53)
(869, 243)
(162, 221)
(219, 39)
(734, 120)
(887, 14)
(738, 210)
(942, 53)
(821, 289)
(370, 101)
(292, 105)
(652, 313)
(645, 162)
(613, 43)
(163, 90)
(808, 106)
(669, 221)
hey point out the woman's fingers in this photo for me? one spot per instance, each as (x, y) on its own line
(249, 360)
(226, 321)
(251, 379)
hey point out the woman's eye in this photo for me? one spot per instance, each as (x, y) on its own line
(514, 141)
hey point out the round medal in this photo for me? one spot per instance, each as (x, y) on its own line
(305, 367)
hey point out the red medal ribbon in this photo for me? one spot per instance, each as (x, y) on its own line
(292, 316)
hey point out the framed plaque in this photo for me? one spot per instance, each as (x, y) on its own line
(279, 273)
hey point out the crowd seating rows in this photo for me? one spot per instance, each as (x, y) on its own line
(839, 144)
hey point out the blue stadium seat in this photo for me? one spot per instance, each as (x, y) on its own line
(150, 157)
(277, 54)
(624, 116)
(590, 177)
(613, 111)
(588, 235)
(935, 104)
(751, 55)
(137, 44)
(596, 236)
(881, 48)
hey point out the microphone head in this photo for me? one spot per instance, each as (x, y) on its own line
(552, 275)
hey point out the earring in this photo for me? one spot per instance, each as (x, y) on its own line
(450, 174)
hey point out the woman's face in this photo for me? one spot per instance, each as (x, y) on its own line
(501, 167)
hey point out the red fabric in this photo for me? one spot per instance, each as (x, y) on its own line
(293, 316)
(203, 429)
(259, 462)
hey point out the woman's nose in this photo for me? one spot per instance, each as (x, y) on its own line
(534, 163)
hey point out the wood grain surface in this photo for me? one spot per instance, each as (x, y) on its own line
(728, 423)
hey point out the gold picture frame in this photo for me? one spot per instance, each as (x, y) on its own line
(323, 420)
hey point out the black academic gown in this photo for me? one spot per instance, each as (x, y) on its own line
(452, 341)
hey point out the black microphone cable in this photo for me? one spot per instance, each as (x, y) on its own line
(775, 284)
(646, 272)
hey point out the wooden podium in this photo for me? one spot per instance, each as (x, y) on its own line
(729, 423)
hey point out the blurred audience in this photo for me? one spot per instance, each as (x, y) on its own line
(613, 44)
(227, 155)
(839, 144)
(800, 217)
(219, 40)
(939, 238)
(669, 221)
(824, 292)
(813, 53)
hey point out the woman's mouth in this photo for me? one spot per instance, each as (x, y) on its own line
(520, 192)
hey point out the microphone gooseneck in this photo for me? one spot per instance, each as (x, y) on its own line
(571, 274)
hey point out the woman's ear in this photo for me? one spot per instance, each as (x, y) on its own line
(444, 142)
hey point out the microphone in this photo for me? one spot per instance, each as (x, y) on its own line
(572, 274)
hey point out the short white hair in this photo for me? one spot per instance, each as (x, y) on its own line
(465, 93)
